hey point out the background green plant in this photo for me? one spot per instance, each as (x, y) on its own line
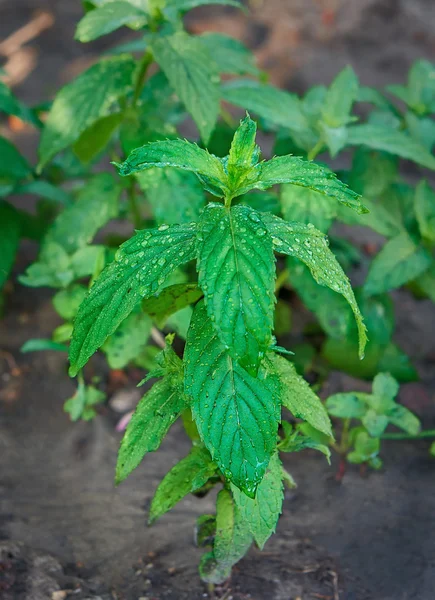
(139, 97)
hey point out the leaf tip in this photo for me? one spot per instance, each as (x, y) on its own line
(73, 370)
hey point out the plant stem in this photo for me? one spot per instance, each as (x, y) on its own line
(147, 59)
(158, 337)
(344, 437)
(315, 150)
(281, 280)
(132, 201)
(429, 433)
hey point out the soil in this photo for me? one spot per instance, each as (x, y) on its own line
(66, 532)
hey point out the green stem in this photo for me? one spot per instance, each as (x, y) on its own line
(281, 280)
(430, 433)
(132, 201)
(315, 151)
(344, 442)
(147, 59)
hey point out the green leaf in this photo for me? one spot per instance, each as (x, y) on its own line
(389, 140)
(270, 103)
(71, 231)
(232, 541)
(10, 105)
(45, 190)
(35, 345)
(389, 215)
(170, 300)
(335, 138)
(52, 269)
(225, 397)
(310, 246)
(306, 206)
(131, 47)
(420, 92)
(404, 419)
(366, 448)
(244, 153)
(10, 229)
(380, 218)
(345, 406)
(108, 18)
(330, 309)
(67, 302)
(96, 204)
(188, 476)
(83, 101)
(399, 261)
(181, 154)
(341, 354)
(155, 413)
(422, 129)
(421, 86)
(128, 340)
(372, 96)
(374, 423)
(95, 139)
(80, 406)
(62, 333)
(263, 202)
(89, 260)
(205, 530)
(426, 283)
(298, 397)
(193, 74)
(372, 173)
(236, 270)
(385, 386)
(261, 513)
(175, 196)
(168, 363)
(425, 210)
(302, 438)
(185, 5)
(13, 166)
(339, 98)
(141, 267)
(230, 55)
(294, 170)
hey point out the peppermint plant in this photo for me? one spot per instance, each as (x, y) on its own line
(233, 380)
(366, 417)
(219, 234)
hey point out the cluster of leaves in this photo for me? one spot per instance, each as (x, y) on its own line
(374, 412)
(321, 121)
(219, 209)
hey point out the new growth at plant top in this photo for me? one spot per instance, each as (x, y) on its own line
(223, 237)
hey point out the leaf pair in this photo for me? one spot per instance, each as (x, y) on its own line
(240, 172)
